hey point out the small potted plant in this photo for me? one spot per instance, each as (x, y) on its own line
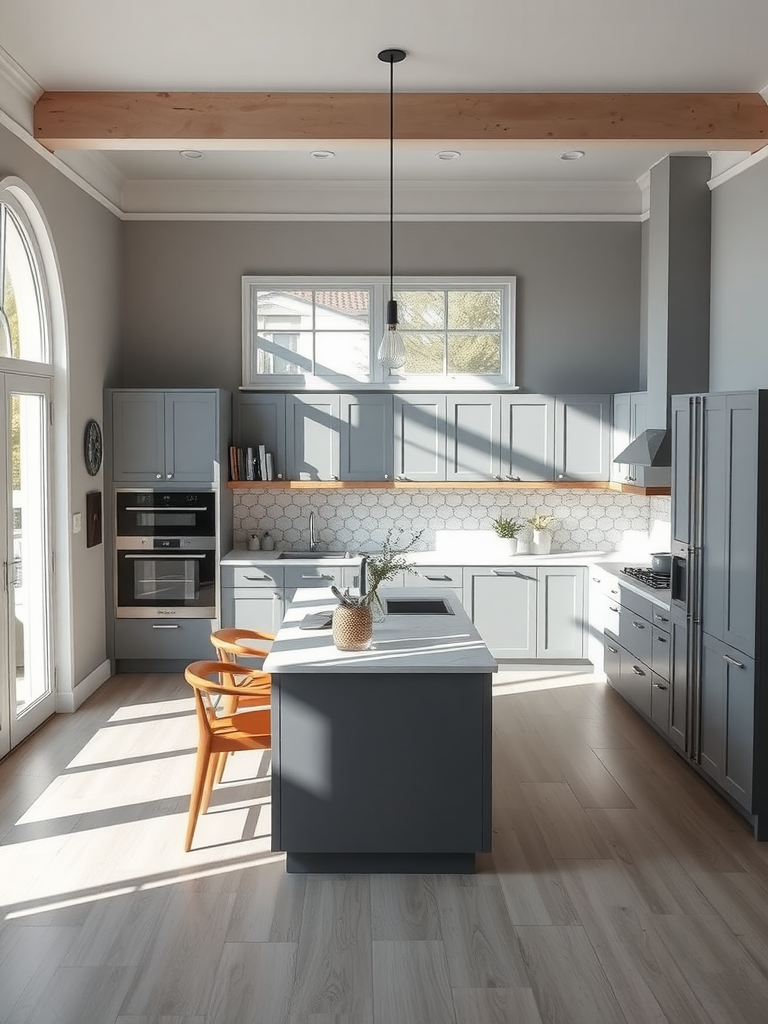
(508, 530)
(542, 538)
(354, 617)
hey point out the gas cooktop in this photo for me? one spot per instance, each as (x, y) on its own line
(650, 577)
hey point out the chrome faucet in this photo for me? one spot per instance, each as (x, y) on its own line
(312, 538)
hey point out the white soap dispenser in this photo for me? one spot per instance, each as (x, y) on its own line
(267, 542)
(254, 544)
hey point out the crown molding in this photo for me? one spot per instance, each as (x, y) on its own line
(415, 200)
(729, 171)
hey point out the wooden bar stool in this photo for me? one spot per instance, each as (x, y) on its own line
(219, 735)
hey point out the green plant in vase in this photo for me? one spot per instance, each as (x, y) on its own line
(542, 538)
(508, 529)
(385, 566)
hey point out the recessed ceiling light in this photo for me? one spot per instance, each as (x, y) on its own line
(448, 154)
(322, 154)
(572, 154)
(190, 154)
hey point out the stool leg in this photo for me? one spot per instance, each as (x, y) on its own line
(201, 768)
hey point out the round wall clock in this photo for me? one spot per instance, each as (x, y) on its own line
(93, 450)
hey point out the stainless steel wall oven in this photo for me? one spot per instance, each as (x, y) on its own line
(165, 554)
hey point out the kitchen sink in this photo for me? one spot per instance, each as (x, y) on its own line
(312, 556)
(418, 606)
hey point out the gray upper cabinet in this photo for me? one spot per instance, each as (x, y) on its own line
(420, 437)
(339, 437)
(472, 426)
(527, 437)
(261, 420)
(312, 437)
(366, 437)
(582, 439)
(681, 468)
(166, 435)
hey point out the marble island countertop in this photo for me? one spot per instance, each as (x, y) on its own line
(402, 643)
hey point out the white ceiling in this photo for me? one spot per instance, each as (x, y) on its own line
(306, 45)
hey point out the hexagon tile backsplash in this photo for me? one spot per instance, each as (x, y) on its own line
(359, 518)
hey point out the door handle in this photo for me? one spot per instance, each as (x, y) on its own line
(613, 650)
(660, 686)
(638, 625)
(637, 671)
(732, 661)
(660, 618)
(165, 625)
(661, 639)
(433, 579)
(612, 608)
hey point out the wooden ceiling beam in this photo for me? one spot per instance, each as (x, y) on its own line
(157, 120)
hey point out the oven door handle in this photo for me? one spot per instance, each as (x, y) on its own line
(165, 508)
(156, 558)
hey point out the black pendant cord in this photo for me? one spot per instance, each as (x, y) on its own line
(392, 181)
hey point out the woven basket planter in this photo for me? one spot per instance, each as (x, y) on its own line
(352, 628)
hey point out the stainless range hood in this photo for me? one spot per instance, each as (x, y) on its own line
(651, 448)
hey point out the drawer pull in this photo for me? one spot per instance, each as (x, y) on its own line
(613, 650)
(661, 639)
(732, 661)
(434, 579)
(660, 686)
(612, 608)
(638, 625)
(614, 591)
(254, 578)
(637, 671)
(316, 576)
(661, 618)
(165, 625)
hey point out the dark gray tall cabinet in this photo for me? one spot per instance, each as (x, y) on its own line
(719, 510)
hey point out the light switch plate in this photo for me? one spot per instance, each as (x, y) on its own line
(77, 522)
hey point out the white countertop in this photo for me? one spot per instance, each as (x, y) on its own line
(401, 643)
(243, 557)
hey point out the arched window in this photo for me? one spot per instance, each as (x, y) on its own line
(23, 315)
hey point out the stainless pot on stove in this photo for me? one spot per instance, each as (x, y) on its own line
(661, 561)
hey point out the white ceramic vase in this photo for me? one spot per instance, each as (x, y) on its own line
(541, 542)
(512, 542)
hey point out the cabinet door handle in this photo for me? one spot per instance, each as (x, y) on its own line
(254, 579)
(595, 579)
(660, 618)
(513, 572)
(661, 639)
(660, 686)
(169, 476)
(614, 591)
(318, 576)
(612, 608)
(638, 625)
(158, 476)
(386, 476)
(433, 579)
(613, 650)
(165, 625)
(637, 671)
(732, 661)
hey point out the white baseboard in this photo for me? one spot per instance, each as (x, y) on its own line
(67, 702)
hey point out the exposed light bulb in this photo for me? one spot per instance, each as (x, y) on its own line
(392, 353)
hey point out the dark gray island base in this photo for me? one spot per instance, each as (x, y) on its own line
(381, 758)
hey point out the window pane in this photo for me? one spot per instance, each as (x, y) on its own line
(21, 296)
(342, 352)
(284, 310)
(475, 310)
(424, 352)
(474, 353)
(417, 310)
(342, 310)
(283, 352)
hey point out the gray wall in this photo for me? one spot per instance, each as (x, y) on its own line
(739, 323)
(87, 241)
(578, 322)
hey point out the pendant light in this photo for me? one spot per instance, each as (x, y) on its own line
(392, 349)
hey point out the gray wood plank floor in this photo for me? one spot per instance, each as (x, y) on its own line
(621, 889)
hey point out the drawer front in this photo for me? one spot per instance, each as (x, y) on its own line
(662, 652)
(611, 615)
(636, 603)
(660, 702)
(636, 634)
(612, 661)
(297, 577)
(251, 576)
(152, 638)
(434, 576)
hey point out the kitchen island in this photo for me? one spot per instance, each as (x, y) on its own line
(382, 758)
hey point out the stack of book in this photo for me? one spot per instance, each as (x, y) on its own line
(251, 463)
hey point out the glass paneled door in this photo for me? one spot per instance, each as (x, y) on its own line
(26, 677)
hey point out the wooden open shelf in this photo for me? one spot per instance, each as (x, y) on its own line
(400, 485)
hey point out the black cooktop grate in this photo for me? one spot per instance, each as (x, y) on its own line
(651, 578)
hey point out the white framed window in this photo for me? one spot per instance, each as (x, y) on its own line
(314, 333)
(24, 327)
